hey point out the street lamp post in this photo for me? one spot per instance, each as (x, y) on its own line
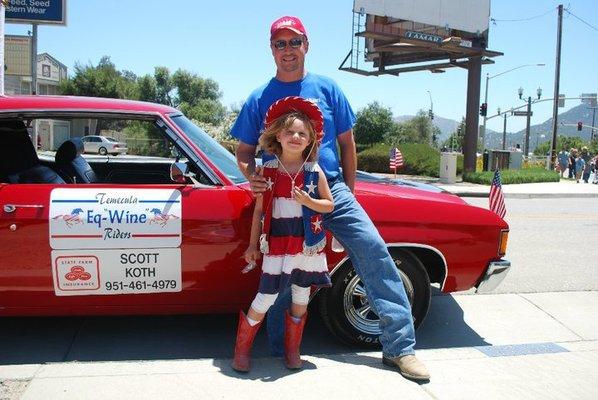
(528, 115)
(486, 91)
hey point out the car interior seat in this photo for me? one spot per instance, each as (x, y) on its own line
(71, 165)
(19, 162)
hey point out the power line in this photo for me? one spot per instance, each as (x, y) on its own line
(587, 23)
(523, 19)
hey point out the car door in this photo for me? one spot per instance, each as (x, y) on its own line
(25, 278)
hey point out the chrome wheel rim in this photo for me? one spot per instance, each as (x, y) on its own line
(358, 310)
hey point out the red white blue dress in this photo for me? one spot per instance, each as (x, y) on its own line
(286, 262)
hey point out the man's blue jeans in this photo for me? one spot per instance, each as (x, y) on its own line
(352, 227)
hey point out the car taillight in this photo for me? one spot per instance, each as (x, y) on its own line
(502, 244)
(117, 146)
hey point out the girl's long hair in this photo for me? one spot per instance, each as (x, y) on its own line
(268, 141)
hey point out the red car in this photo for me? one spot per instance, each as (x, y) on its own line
(163, 228)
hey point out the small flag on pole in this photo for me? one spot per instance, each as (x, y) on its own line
(396, 158)
(497, 200)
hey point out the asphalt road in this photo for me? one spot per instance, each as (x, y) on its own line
(553, 244)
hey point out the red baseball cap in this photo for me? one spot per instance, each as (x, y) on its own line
(287, 22)
(296, 103)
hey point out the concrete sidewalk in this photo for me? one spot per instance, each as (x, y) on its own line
(515, 346)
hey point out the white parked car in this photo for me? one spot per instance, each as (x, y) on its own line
(103, 145)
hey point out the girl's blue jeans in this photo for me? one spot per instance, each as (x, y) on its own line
(352, 227)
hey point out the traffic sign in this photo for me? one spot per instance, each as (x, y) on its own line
(522, 113)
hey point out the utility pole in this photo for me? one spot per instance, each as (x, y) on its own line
(34, 59)
(504, 133)
(557, 77)
(593, 120)
(527, 126)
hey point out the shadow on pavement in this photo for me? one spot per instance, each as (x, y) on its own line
(35, 340)
(445, 326)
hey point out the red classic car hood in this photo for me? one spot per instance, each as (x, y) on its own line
(405, 192)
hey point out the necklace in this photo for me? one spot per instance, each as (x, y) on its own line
(298, 172)
(293, 178)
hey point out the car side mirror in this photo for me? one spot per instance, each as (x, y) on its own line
(178, 171)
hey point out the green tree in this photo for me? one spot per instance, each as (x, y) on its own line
(436, 132)
(456, 140)
(374, 123)
(420, 128)
(103, 80)
(195, 96)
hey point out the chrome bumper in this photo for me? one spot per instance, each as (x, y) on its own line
(496, 272)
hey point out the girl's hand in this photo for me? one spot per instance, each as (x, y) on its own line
(301, 196)
(252, 254)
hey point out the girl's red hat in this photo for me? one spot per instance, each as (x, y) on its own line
(296, 103)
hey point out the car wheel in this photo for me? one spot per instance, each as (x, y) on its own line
(347, 312)
(103, 151)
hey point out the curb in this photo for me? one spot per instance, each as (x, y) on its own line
(531, 195)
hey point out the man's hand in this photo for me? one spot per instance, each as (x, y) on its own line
(258, 182)
(246, 160)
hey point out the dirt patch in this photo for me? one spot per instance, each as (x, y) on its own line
(12, 389)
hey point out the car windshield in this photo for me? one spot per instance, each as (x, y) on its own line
(222, 158)
(111, 139)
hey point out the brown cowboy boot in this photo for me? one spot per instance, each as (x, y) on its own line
(245, 335)
(293, 332)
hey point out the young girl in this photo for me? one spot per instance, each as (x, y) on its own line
(287, 225)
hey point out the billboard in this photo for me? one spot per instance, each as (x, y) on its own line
(42, 12)
(463, 15)
(17, 55)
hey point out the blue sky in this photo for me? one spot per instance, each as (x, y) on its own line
(228, 42)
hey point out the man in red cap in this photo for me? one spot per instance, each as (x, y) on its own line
(349, 223)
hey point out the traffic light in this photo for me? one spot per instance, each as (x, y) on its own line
(431, 114)
(483, 109)
(579, 126)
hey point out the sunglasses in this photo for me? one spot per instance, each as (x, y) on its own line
(295, 43)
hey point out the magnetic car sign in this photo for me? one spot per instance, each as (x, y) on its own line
(110, 218)
(109, 272)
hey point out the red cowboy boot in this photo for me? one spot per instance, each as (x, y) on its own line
(245, 335)
(293, 332)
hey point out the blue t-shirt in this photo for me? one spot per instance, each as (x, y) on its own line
(338, 115)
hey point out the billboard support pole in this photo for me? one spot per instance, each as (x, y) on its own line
(474, 74)
(34, 60)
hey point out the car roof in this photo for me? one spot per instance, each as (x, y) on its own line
(48, 103)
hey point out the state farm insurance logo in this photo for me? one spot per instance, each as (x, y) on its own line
(77, 273)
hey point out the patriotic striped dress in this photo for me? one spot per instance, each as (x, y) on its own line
(286, 264)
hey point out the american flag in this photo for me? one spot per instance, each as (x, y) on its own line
(497, 200)
(396, 158)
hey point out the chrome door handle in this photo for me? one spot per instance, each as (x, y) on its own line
(8, 208)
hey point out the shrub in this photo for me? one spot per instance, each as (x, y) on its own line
(420, 159)
(510, 176)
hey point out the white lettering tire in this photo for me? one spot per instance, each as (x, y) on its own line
(345, 308)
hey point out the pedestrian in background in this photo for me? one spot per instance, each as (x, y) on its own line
(563, 160)
(585, 154)
(579, 167)
(572, 157)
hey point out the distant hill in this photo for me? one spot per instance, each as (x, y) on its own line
(570, 117)
(446, 126)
